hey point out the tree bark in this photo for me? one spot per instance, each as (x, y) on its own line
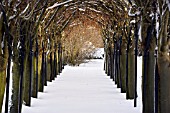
(39, 70)
(27, 80)
(48, 68)
(15, 79)
(28, 72)
(123, 68)
(164, 67)
(148, 83)
(42, 74)
(164, 70)
(2, 80)
(34, 78)
(131, 74)
(148, 73)
(3, 64)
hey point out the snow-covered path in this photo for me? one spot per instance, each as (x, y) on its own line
(83, 89)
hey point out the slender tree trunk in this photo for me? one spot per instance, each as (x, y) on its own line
(39, 70)
(49, 68)
(22, 60)
(164, 70)
(131, 74)
(42, 76)
(27, 80)
(36, 66)
(148, 83)
(15, 79)
(111, 63)
(45, 69)
(148, 64)
(54, 64)
(115, 61)
(34, 78)
(119, 85)
(2, 81)
(113, 56)
(164, 67)
(3, 65)
(28, 73)
(59, 57)
(123, 68)
(57, 71)
(106, 61)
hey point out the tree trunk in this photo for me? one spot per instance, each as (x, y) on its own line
(148, 44)
(39, 70)
(15, 80)
(123, 68)
(111, 63)
(3, 63)
(54, 66)
(164, 67)
(164, 71)
(45, 69)
(2, 80)
(28, 72)
(34, 78)
(27, 79)
(131, 74)
(51, 65)
(106, 61)
(57, 71)
(115, 65)
(49, 68)
(42, 76)
(148, 83)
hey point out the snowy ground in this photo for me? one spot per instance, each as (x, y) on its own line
(84, 89)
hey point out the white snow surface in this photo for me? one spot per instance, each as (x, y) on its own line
(99, 52)
(84, 89)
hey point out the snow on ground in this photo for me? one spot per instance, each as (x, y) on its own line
(99, 53)
(84, 89)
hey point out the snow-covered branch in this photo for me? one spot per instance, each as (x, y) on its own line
(137, 13)
(59, 4)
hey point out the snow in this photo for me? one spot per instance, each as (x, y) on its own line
(97, 11)
(135, 14)
(168, 3)
(99, 52)
(10, 92)
(59, 4)
(85, 89)
(24, 11)
(133, 21)
(140, 33)
(81, 9)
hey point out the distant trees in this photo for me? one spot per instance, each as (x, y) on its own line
(80, 40)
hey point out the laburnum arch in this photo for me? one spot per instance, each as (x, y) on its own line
(31, 35)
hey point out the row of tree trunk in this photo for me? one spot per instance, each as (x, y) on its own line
(33, 61)
(121, 65)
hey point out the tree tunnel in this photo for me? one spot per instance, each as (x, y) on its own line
(38, 37)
